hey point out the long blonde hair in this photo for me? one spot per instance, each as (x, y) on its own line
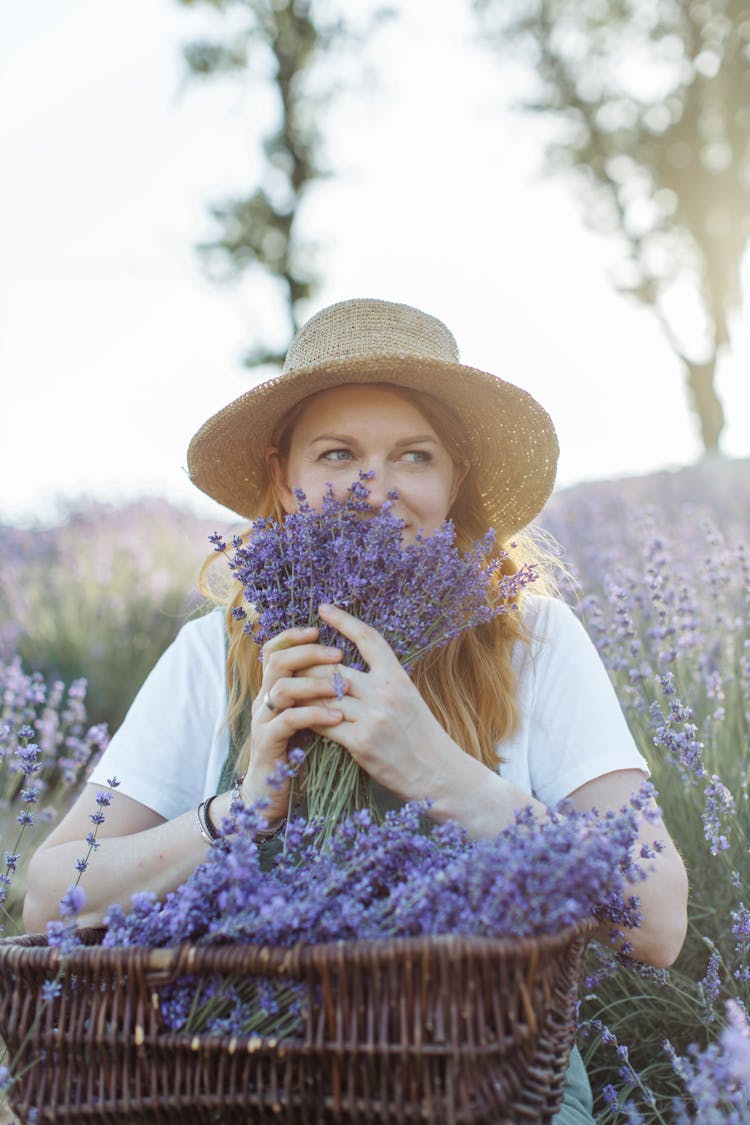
(469, 684)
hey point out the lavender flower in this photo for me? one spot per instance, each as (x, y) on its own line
(710, 986)
(718, 810)
(51, 989)
(103, 801)
(735, 1042)
(741, 931)
(24, 765)
(72, 902)
(717, 1079)
(63, 934)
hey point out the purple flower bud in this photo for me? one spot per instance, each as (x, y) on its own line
(72, 902)
(51, 989)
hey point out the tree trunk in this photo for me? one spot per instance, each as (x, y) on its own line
(705, 402)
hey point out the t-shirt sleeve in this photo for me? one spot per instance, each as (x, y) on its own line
(577, 730)
(160, 754)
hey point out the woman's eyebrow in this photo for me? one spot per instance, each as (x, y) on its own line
(350, 440)
(346, 439)
(418, 439)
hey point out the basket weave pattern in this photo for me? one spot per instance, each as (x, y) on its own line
(461, 1031)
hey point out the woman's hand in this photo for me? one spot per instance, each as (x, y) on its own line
(293, 697)
(385, 724)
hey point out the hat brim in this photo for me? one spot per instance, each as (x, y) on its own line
(511, 438)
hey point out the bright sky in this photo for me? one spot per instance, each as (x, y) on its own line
(114, 348)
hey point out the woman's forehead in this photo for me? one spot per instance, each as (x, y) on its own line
(368, 401)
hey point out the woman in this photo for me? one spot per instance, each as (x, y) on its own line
(519, 712)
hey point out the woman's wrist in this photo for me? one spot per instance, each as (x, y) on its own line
(214, 817)
(478, 798)
(254, 788)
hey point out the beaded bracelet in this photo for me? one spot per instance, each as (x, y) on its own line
(265, 835)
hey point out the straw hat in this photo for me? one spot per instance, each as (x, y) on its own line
(510, 438)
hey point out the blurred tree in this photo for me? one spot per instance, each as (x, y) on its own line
(652, 103)
(285, 40)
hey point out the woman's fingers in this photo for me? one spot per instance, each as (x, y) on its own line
(372, 646)
(295, 690)
(300, 658)
(296, 672)
(292, 720)
(297, 693)
(300, 634)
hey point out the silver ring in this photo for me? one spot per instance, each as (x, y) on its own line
(269, 704)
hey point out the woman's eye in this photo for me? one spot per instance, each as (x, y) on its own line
(335, 455)
(417, 456)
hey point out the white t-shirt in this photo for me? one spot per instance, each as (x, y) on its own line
(169, 752)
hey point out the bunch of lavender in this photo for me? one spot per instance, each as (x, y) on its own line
(419, 596)
(400, 878)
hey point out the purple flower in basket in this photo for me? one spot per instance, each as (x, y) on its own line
(374, 881)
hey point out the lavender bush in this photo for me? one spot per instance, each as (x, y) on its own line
(664, 590)
(46, 748)
(100, 596)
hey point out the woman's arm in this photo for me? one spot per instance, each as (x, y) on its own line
(484, 803)
(664, 893)
(138, 851)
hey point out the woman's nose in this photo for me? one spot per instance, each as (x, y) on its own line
(379, 486)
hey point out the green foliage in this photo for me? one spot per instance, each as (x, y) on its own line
(651, 99)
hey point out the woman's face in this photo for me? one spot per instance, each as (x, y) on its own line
(347, 430)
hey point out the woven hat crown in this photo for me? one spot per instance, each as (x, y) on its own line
(358, 328)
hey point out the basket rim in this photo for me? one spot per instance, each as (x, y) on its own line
(33, 948)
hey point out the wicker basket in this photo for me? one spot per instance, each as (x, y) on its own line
(434, 1030)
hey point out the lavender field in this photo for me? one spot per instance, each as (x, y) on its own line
(658, 569)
